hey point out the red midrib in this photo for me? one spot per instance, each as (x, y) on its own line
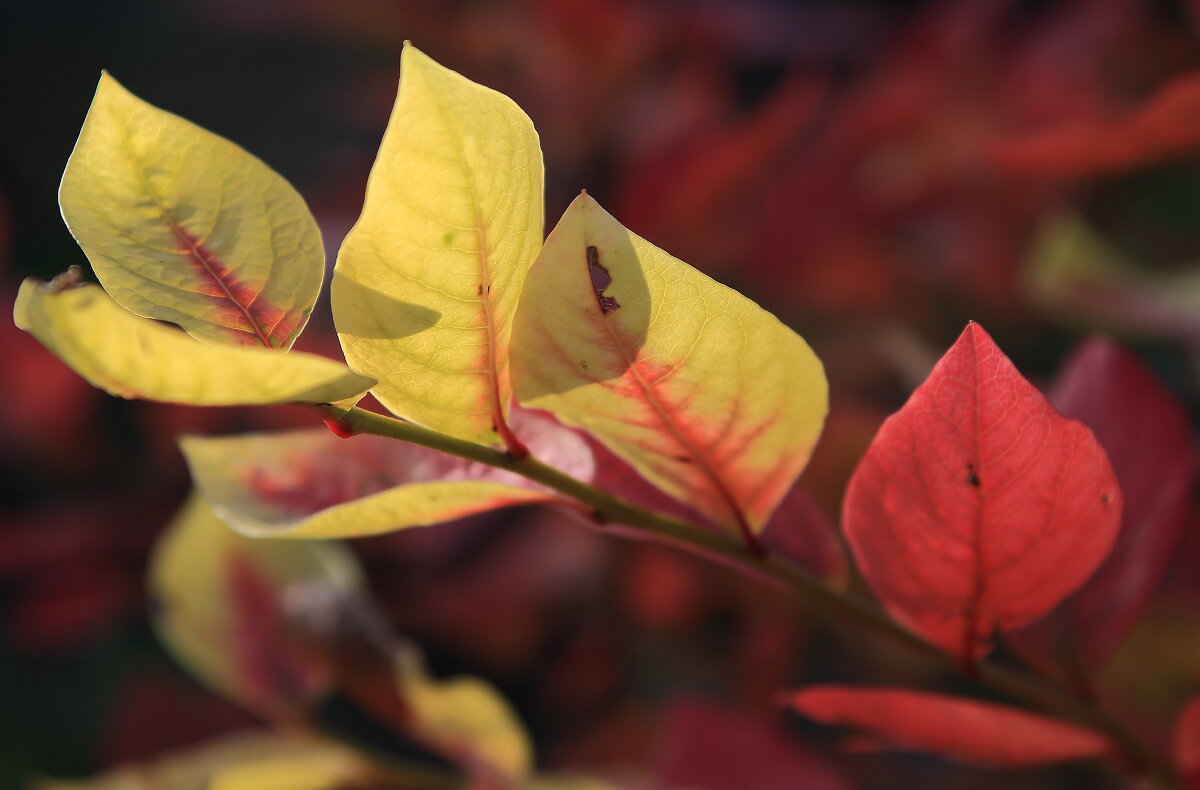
(515, 446)
(227, 287)
(971, 629)
(681, 436)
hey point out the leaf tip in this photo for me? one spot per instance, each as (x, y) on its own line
(975, 336)
(109, 84)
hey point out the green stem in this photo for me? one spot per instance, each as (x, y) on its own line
(619, 516)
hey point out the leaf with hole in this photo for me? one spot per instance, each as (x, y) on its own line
(704, 393)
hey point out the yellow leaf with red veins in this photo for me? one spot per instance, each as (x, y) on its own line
(135, 357)
(427, 281)
(311, 484)
(222, 608)
(703, 392)
(184, 226)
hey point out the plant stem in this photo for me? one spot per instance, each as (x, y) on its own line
(621, 517)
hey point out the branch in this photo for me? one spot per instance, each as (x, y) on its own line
(624, 518)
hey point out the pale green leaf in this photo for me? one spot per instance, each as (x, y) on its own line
(427, 281)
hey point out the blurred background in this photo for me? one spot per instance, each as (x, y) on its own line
(875, 173)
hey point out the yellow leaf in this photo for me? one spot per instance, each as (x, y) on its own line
(139, 358)
(222, 761)
(184, 226)
(469, 719)
(427, 281)
(706, 394)
(306, 771)
(220, 599)
(311, 484)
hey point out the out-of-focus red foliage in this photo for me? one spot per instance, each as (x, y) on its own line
(707, 746)
(864, 170)
(1164, 126)
(1146, 434)
(976, 733)
(1187, 744)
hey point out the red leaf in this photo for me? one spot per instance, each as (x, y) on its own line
(978, 508)
(1146, 433)
(1187, 744)
(977, 733)
(706, 746)
(1165, 126)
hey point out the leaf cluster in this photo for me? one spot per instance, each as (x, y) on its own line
(593, 372)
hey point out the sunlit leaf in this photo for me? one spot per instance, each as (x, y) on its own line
(963, 730)
(220, 601)
(313, 484)
(136, 357)
(1074, 272)
(427, 281)
(978, 508)
(708, 396)
(184, 226)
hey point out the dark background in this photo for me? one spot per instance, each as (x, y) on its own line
(832, 160)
